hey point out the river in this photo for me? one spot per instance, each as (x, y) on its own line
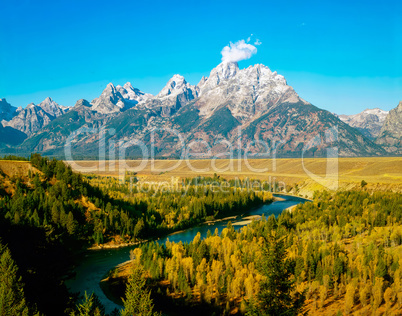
(96, 263)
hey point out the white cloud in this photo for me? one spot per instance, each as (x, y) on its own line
(257, 42)
(238, 51)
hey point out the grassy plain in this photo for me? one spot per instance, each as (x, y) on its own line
(381, 173)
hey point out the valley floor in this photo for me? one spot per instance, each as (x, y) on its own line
(380, 173)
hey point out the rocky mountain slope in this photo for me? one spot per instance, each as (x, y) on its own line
(177, 93)
(248, 92)
(233, 111)
(116, 99)
(7, 111)
(369, 122)
(391, 132)
(81, 120)
(110, 101)
(131, 94)
(10, 137)
(32, 118)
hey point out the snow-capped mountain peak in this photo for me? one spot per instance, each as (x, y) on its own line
(248, 91)
(176, 85)
(202, 81)
(378, 112)
(128, 86)
(132, 94)
(81, 103)
(110, 88)
(52, 108)
(176, 93)
(224, 71)
(117, 98)
(108, 101)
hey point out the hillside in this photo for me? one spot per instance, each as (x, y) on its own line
(390, 136)
(48, 215)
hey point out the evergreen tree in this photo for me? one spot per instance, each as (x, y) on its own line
(138, 299)
(12, 300)
(55, 214)
(70, 223)
(138, 228)
(90, 306)
(275, 298)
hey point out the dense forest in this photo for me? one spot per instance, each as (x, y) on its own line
(341, 250)
(162, 211)
(72, 206)
(48, 214)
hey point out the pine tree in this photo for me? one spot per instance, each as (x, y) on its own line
(377, 292)
(275, 297)
(90, 306)
(55, 214)
(70, 223)
(138, 228)
(138, 299)
(12, 300)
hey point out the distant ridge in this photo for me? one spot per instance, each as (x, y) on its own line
(369, 122)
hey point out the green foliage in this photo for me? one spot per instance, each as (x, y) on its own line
(90, 306)
(322, 246)
(316, 250)
(60, 211)
(138, 299)
(161, 210)
(274, 297)
(12, 298)
(13, 157)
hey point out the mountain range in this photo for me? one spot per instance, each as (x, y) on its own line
(34, 117)
(232, 111)
(369, 122)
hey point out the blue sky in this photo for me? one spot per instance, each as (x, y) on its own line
(338, 55)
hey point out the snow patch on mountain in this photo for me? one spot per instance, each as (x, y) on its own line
(130, 93)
